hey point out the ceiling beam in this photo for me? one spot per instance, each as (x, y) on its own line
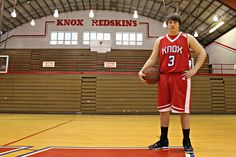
(54, 4)
(179, 6)
(116, 5)
(91, 5)
(213, 39)
(197, 7)
(19, 4)
(166, 11)
(18, 12)
(1, 16)
(49, 8)
(130, 8)
(213, 23)
(187, 6)
(64, 9)
(216, 9)
(22, 6)
(5, 28)
(109, 5)
(123, 9)
(10, 25)
(41, 8)
(158, 11)
(69, 5)
(151, 8)
(9, 13)
(229, 3)
(83, 4)
(221, 33)
(204, 10)
(5, 19)
(35, 10)
(76, 5)
(138, 5)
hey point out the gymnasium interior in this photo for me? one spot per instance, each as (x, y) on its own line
(69, 81)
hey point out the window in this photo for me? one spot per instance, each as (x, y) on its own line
(74, 38)
(64, 38)
(86, 39)
(88, 36)
(118, 38)
(129, 38)
(53, 38)
(60, 38)
(125, 39)
(139, 39)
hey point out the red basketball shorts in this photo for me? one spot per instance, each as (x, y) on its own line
(174, 93)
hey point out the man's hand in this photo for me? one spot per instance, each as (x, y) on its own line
(141, 77)
(189, 73)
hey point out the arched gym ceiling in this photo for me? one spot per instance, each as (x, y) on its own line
(196, 14)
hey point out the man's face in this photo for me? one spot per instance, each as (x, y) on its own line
(173, 26)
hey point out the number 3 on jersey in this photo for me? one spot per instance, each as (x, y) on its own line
(171, 61)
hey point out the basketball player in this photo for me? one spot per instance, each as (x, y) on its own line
(174, 85)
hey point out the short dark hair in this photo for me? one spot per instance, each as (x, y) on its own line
(174, 17)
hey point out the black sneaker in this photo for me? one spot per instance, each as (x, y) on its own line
(161, 144)
(187, 145)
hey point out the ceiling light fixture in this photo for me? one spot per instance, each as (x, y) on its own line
(32, 23)
(135, 15)
(216, 26)
(164, 24)
(13, 13)
(91, 14)
(215, 18)
(195, 34)
(56, 14)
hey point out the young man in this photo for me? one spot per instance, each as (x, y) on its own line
(174, 85)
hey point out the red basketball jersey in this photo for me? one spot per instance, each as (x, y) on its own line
(174, 53)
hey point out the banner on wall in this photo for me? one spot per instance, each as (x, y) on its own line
(48, 64)
(110, 64)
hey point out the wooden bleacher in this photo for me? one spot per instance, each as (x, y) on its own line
(93, 94)
(81, 60)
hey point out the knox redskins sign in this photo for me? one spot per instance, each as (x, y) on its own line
(100, 22)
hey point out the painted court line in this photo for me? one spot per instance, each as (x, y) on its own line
(35, 152)
(66, 151)
(12, 149)
(37, 133)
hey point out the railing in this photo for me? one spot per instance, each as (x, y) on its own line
(128, 69)
(222, 68)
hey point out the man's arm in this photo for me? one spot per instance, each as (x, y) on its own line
(201, 53)
(152, 60)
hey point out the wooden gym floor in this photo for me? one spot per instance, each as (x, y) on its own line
(212, 135)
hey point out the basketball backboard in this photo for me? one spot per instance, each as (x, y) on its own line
(100, 46)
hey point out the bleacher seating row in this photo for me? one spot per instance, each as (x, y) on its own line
(28, 92)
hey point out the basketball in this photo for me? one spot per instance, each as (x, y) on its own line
(151, 75)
